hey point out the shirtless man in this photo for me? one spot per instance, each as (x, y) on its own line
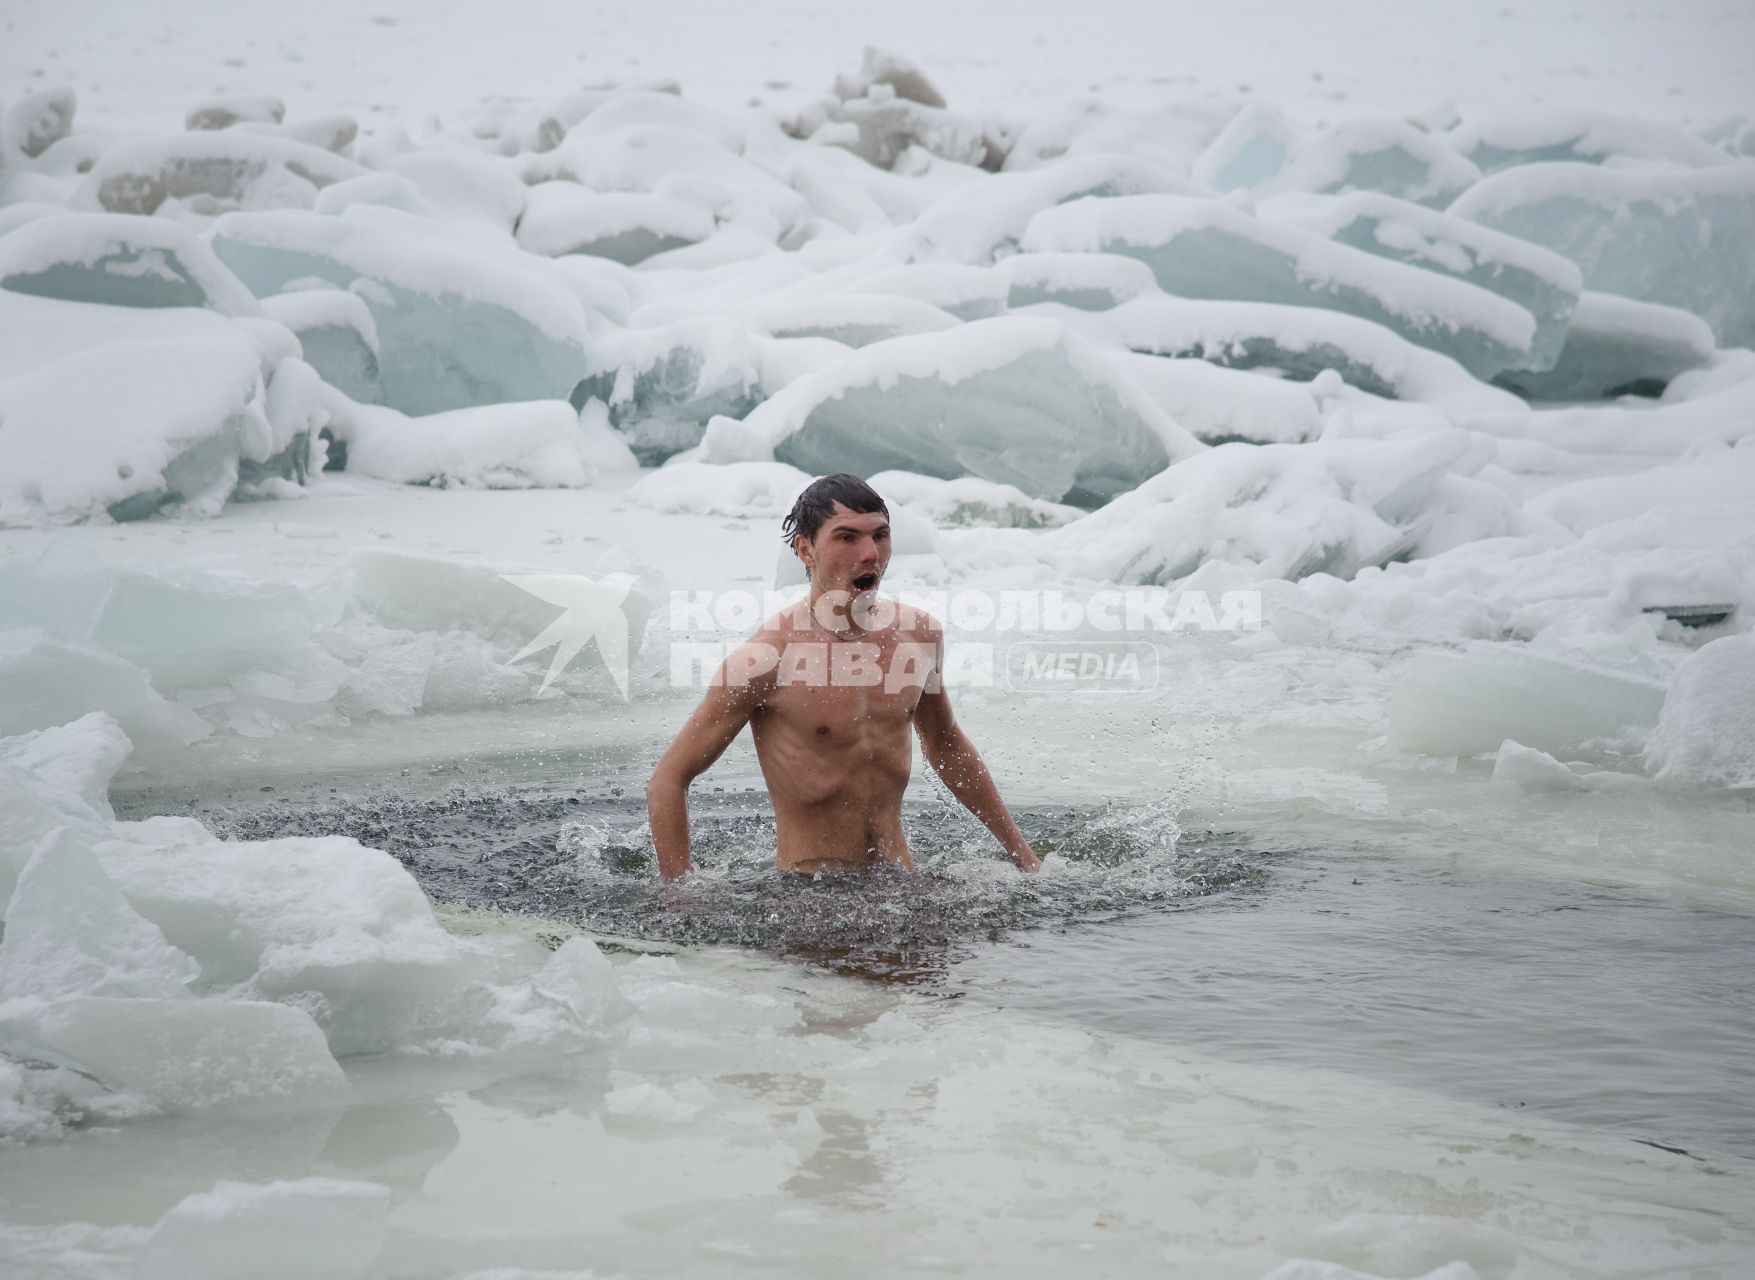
(831, 690)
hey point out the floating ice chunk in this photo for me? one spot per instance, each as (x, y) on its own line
(623, 226)
(1531, 770)
(177, 1054)
(1705, 735)
(1680, 237)
(537, 445)
(270, 1231)
(1450, 704)
(661, 386)
(1086, 281)
(1301, 342)
(1616, 346)
(984, 220)
(968, 502)
(465, 186)
(130, 427)
(1333, 507)
(747, 490)
(37, 121)
(1539, 280)
(338, 337)
(1262, 151)
(44, 682)
(79, 757)
(855, 320)
(457, 329)
(1219, 405)
(70, 932)
(223, 113)
(1021, 401)
(1207, 249)
(211, 173)
(121, 260)
(1496, 138)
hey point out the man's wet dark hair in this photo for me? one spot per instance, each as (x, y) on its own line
(817, 503)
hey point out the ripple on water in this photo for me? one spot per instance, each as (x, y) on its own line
(590, 863)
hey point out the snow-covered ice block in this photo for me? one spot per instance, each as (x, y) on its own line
(852, 319)
(1616, 346)
(1496, 138)
(1086, 281)
(1300, 342)
(293, 1230)
(336, 131)
(385, 190)
(1021, 401)
(970, 502)
(129, 427)
(679, 161)
(41, 330)
(338, 337)
(122, 260)
(1219, 405)
(748, 490)
(982, 221)
(78, 757)
(429, 593)
(1208, 249)
(1536, 279)
(211, 173)
(176, 1054)
(968, 293)
(1705, 735)
(456, 328)
(338, 930)
(890, 106)
(182, 625)
(1531, 770)
(1262, 151)
(463, 185)
(224, 112)
(1332, 507)
(1680, 237)
(1466, 703)
(45, 682)
(623, 226)
(662, 385)
(541, 444)
(70, 932)
(37, 121)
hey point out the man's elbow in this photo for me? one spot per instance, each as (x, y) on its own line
(665, 784)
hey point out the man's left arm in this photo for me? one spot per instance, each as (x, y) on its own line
(954, 758)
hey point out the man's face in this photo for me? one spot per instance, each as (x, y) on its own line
(849, 553)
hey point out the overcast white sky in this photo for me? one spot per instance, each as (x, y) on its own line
(141, 64)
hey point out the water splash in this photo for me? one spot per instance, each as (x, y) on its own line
(589, 862)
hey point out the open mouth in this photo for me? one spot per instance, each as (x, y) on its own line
(865, 581)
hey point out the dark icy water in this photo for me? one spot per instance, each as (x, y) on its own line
(1602, 1005)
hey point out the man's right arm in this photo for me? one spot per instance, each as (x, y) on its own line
(738, 690)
